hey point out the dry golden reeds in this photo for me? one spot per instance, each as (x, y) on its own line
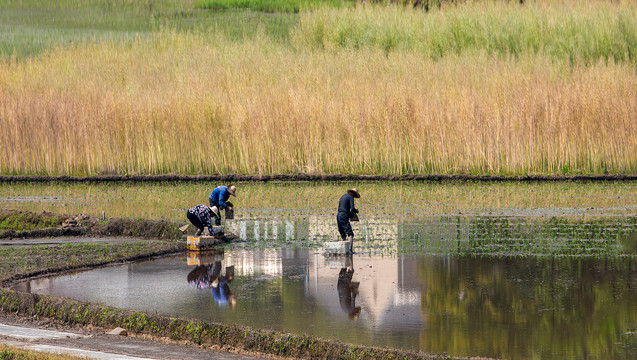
(200, 104)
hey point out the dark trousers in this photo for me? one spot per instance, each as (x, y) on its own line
(344, 227)
(194, 220)
(217, 217)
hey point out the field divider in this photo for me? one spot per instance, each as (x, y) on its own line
(310, 177)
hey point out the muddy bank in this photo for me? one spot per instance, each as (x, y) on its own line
(16, 224)
(206, 334)
(312, 177)
(130, 253)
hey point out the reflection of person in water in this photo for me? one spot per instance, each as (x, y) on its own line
(219, 287)
(200, 277)
(347, 291)
(209, 276)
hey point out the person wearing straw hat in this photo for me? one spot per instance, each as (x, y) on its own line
(219, 199)
(346, 212)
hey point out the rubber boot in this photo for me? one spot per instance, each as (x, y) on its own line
(351, 244)
(199, 231)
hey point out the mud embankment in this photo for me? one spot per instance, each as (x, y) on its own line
(313, 177)
(23, 225)
(206, 334)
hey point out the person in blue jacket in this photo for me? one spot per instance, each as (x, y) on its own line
(347, 211)
(219, 198)
(219, 287)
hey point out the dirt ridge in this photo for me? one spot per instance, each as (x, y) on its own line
(312, 177)
(201, 333)
(83, 225)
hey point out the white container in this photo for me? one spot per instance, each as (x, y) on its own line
(336, 248)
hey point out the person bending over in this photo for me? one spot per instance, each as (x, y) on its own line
(200, 216)
(347, 211)
(219, 198)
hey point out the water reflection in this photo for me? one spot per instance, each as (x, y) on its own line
(544, 307)
(472, 235)
(348, 289)
(209, 276)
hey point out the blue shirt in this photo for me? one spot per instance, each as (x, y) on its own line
(219, 196)
(221, 292)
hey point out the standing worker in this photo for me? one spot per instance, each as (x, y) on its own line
(219, 198)
(347, 211)
(201, 216)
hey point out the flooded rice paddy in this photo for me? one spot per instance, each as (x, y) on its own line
(505, 270)
(534, 307)
(284, 200)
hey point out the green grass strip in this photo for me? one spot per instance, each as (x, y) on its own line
(268, 6)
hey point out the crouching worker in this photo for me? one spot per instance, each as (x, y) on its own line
(201, 216)
(219, 199)
(347, 211)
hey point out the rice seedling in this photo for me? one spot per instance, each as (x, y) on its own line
(408, 201)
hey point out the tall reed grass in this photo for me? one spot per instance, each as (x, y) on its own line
(580, 31)
(198, 103)
(31, 27)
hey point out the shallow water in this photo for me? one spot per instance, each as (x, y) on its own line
(451, 235)
(533, 307)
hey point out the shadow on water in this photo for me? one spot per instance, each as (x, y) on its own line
(533, 307)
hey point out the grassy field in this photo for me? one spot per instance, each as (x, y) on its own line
(271, 6)
(383, 200)
(161, 87)
(20, 261)
(32, 27)
(16, 353)
(509, 219)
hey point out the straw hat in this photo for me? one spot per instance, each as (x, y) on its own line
(232, 190)
(354, 192)
(215, 210)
